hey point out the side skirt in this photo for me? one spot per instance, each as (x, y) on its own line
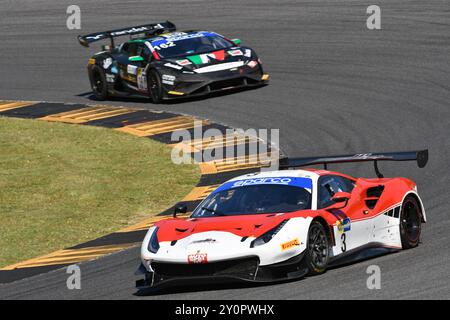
(364, 252)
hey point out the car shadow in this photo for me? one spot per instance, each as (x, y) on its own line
(173, 289)
(204, 287)
(181, 100)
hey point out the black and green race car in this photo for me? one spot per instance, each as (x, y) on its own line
(161, 63)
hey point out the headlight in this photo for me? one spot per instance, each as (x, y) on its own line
(153, 244)
(266, 237)
(252, 63)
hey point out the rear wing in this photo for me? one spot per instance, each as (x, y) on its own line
(146, 29)
(420, 156)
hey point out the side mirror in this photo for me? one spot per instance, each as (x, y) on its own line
(236, 41)
(136, 59)
(341, 197)
(181, 208)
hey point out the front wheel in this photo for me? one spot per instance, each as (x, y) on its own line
(317, 249)
(410, 223)
(154, 86)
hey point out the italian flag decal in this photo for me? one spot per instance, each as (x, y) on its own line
(205, 58)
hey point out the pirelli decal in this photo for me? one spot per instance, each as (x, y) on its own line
(290, 244)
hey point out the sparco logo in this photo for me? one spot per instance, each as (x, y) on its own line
(261, 181)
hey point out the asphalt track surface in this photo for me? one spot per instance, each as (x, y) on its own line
(336, 87)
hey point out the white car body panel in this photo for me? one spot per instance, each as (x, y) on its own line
(221, 245)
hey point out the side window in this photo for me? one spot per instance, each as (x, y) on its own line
(132, 49)
(144, 52)
(329, 185)
(124, 48)
(129, 49)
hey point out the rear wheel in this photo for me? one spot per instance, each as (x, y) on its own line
(98, 83)
(410, 223)
(154, 86)
(317, 249)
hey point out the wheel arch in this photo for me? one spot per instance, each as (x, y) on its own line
(416, 196)
(328, 229)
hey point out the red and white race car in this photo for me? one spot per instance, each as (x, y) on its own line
(286, 224)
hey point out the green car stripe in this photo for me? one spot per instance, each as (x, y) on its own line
(195, 59)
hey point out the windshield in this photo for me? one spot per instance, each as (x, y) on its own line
(187, 44)
(242, 197)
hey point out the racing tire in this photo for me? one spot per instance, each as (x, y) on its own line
(154, 86)
(317, 249)
(410, 223)
(98, 83)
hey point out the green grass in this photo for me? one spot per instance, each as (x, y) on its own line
(63, 184)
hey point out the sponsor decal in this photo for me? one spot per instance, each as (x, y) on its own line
(209, 240)
(126, 31)
(234, 53)
(132, 30)
(248, 53)
(174, 66)
(168, 79)
(132, 69)
(135, 30)
(344, 225)
(288, 181)
(197, 258)
(262, 181)
(107, 63)
(184, 62)
(290, 244)
(173, 34)
(367, 156)
(181, 36)
(142, 80)
(110, 77)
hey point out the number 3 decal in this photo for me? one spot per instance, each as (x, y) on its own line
(343, 244)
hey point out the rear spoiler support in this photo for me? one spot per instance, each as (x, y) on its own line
(146, 29)
(420, 156)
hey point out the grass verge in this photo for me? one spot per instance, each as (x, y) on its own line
(61, 184)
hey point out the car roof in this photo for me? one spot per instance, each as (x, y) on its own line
(295, 173)
(279, 173)
(168, 35)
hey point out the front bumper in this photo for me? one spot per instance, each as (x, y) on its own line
(245, 269)
(203, 84)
